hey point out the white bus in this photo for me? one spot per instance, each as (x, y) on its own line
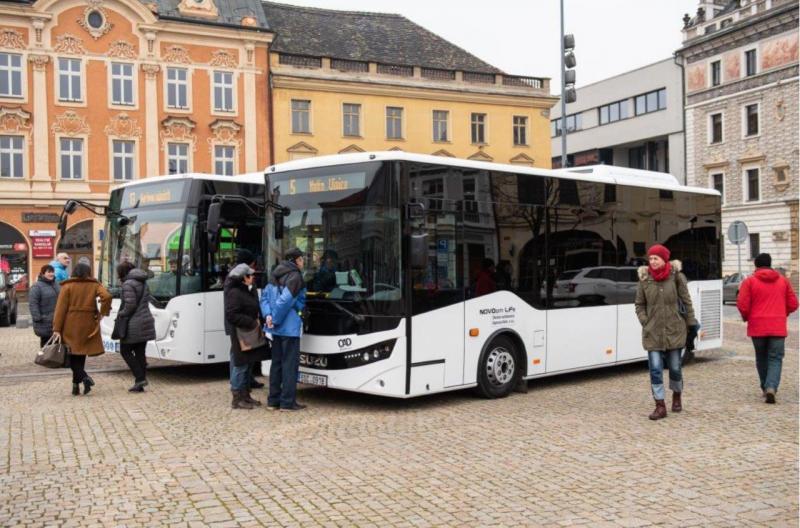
(427, 274)
(160, 224)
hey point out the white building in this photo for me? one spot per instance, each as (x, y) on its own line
(634, 119)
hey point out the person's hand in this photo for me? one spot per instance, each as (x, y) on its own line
(57, 334)
(269, 321)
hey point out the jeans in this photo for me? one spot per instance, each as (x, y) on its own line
(77, 364)
(133, 354)
(240, 377)
(769, 360)
(655, 358)
(283, 371)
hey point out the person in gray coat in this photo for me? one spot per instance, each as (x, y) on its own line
(42, 303)
(141, 324)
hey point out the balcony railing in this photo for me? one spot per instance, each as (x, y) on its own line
(349, 65)
(395, 69)
(526, 82)
(438, 74)
(300, 61)
(475, 77)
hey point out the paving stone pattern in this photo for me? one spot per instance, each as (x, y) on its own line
(577, 450)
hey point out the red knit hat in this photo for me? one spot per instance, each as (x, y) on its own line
(660, 251)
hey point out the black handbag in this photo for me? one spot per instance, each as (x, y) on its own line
(121, 322)
(54, 354)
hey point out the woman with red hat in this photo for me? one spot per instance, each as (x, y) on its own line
(664, 309)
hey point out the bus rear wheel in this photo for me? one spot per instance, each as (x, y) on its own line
(498, 368)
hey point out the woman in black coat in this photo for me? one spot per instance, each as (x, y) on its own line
(141, 323)
(42, 299)
(242, 311)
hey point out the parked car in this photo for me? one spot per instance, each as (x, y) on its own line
(730, 287)
(8, 301)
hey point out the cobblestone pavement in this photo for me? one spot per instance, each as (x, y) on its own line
(576, 450)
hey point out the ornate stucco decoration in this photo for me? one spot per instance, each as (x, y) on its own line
(122, 50)
(11, 38)
(198, 8)
(178, 129)
(222, 58)
(123, 126)
(70, 124)
(224, 132)
(39, 61)
(179, 54)
(68, 43)
(95, 19)
(151, 70)
(14, 120)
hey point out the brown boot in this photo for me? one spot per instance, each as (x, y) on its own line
(250, 400)
(660, 411)
(239, 402)
(676, 402)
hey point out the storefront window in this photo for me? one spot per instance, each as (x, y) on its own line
(14, 256)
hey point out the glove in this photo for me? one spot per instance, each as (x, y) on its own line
(691, 335)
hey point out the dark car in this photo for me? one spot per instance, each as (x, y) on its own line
(8, 301)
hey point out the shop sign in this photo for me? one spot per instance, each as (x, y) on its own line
(42, 233)
(42, 246)
(20, 246)
(40, 218)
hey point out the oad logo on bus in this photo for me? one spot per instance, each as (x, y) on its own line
(345, 343)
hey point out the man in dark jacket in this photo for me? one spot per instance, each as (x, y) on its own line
(42, 303)
(282, 306)
(765, 301)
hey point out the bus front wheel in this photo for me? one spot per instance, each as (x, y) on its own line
(498, 368)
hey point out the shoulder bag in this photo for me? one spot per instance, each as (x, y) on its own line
(250, 339)
(54, 354)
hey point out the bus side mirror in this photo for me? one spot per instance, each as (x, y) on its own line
(212, 225)
(278, 224)
(62, 225)
(419, 250)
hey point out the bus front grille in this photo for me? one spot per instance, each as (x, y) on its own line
(710, 314)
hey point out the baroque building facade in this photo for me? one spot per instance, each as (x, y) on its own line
(99, 92)
(741, 81)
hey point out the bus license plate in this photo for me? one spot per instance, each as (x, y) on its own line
(312, 379)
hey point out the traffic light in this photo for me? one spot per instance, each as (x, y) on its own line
(570, 95)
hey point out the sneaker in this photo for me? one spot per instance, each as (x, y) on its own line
(295, 407)
(770, 395)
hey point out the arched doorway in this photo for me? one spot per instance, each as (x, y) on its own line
(14, 255)
(79, 242)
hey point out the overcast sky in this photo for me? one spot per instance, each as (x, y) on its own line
(522, 37)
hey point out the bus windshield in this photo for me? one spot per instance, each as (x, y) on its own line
(149, 237)
(346, 220)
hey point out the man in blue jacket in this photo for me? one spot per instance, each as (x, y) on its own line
(61, 265)
(282, 307)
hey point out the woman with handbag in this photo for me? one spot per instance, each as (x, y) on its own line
(243, 325)
(42, 299)
(135, 325)
(664, 309)
(77, 322)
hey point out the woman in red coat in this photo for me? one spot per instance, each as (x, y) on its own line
(765, 301)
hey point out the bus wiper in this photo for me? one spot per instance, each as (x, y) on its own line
(356, 317)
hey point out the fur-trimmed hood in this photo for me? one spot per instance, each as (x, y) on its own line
(644, 275)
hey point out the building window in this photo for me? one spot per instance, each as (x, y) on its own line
(752, 185)
(394, 122)
(637, 158)
(521, 130)
(69, 80)
(755, 245)
(651, 101)
(11, 156)
(122, 152)
(301, 117)
(751, 119)
(478, 122)
(440, 118)
(718, 183)
(612, 112)
(716, 128)
(121, 83)
(178, 88)
(716, 73)
(750, 62)
(351, 119)
(223, 91)
(71, 153)
(224, 157)
(10, 75)
(574, 123)
(178, 158)
(433, 191)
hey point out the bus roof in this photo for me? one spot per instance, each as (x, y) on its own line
(251, 177)
(594, 173)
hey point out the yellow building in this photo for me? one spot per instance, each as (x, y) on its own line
(348, 81)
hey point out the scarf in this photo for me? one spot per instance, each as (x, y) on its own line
(660, 275)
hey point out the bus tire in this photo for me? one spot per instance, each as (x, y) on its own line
(499, 368)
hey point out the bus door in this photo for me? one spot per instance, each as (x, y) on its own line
(437, 305)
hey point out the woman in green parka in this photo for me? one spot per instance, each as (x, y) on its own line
(664, 321)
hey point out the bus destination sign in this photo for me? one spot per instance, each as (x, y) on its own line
(153, 194)
(318, 184)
